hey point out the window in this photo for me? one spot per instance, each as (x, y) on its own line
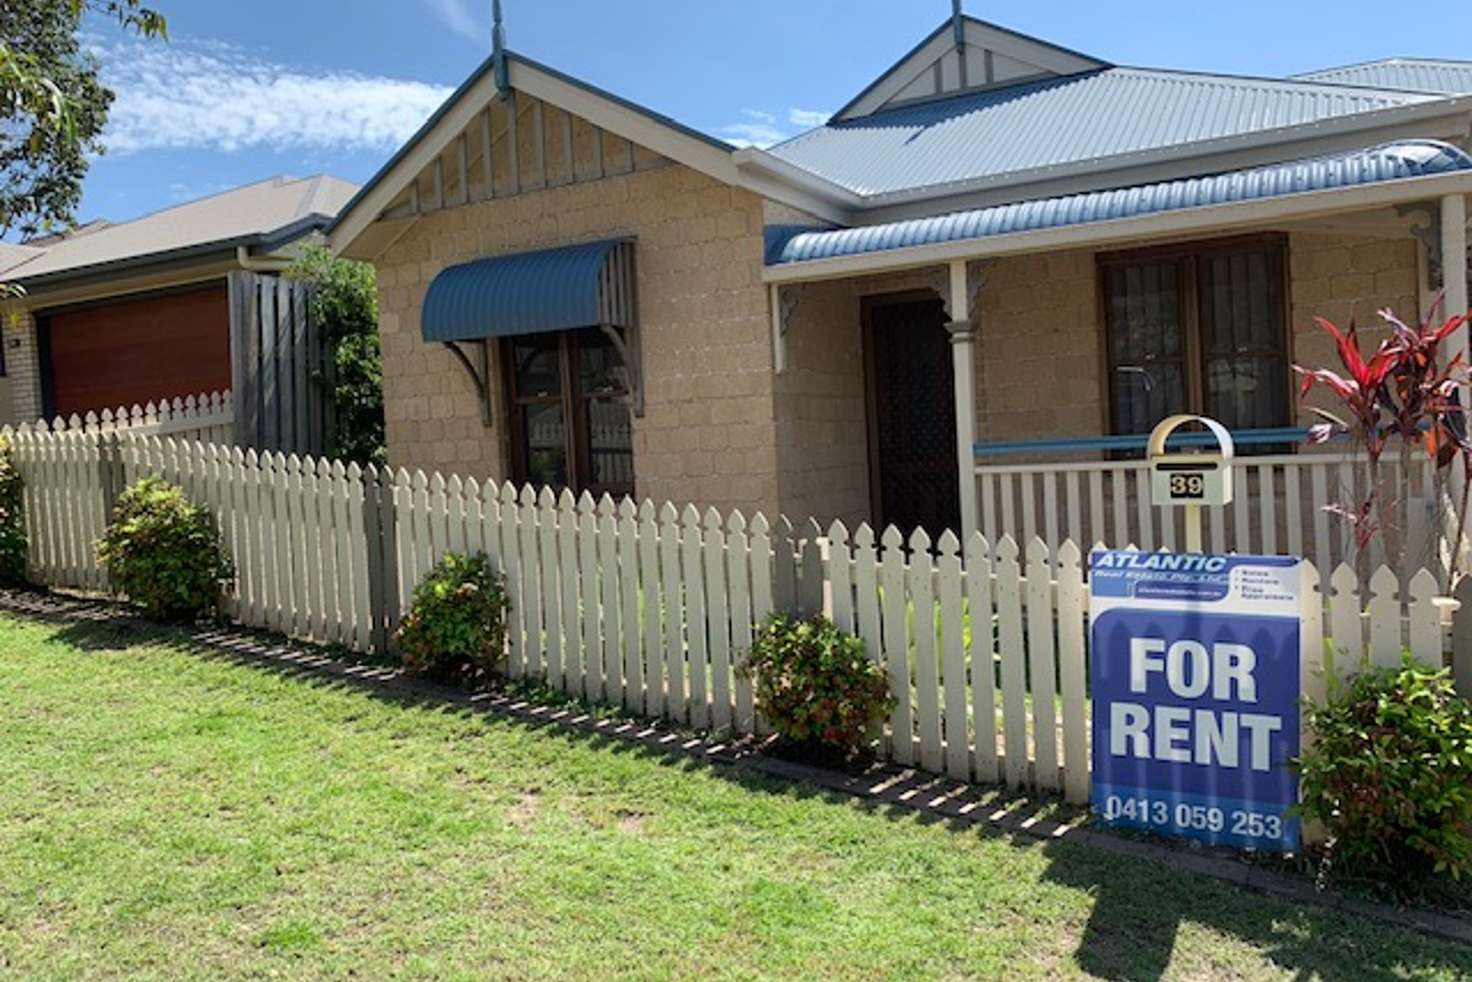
(570, 422)
(1198, 330)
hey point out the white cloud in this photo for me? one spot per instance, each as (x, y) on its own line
(807, 118)
(464, 18)
(208, 95)
(759, 130)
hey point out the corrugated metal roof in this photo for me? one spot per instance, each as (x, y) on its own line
(12, 256)
(1439, 75)
(531, 293)
(1058, 121)
(1392, 161)
(255, 212)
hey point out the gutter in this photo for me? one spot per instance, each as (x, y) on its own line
(1180, 222)
(753, 160)
(251, 264)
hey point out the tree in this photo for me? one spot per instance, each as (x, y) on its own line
(344, 307)
(53, 105)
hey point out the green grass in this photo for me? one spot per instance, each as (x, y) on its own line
(167, 814)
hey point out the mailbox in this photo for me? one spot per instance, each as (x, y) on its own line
(1193, 477)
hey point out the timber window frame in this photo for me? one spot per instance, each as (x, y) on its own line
(1179, 290)
(583, 378)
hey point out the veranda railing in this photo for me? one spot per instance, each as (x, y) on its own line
(1281, 503)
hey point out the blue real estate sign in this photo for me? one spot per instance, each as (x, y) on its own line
(1194, 664)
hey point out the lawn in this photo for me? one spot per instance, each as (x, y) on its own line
(165, 813)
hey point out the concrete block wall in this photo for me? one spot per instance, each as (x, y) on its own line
(1039, 362)
(821, 408)
(708, 434)
(1347, 280)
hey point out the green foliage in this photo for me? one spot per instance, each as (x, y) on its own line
(456, 630)
(53, 105)
(1389, 775)
(13, 545)
(815, 683)
(165, 553)
(345, 305)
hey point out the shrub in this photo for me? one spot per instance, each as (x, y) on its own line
(344, 306)
(1389, 775)
(165, 553)
(814, 682)
(13, 544)
(456, 630)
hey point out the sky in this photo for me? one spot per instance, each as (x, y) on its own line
(246, 91)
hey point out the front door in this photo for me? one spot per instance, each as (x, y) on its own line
(912, 413)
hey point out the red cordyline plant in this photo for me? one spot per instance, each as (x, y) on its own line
(1404, 394)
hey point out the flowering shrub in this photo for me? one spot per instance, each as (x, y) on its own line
(13, 544)
(165, 553)
(1389, 775)
(456, 630)
(814, 682)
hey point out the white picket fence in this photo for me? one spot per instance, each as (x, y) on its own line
(209, 418)
(653, 608)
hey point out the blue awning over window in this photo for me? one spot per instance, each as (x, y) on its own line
(532, 293)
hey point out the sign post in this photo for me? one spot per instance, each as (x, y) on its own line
(1191, 480)
(1195, 673)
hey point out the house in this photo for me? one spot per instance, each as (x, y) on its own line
(997, 246)
(122, 314)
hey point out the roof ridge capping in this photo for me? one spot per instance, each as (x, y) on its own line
(1388, 60)
(1396, 160)
(1300, 80)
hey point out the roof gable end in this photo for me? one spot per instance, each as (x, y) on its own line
(648, 129)
(991, 56)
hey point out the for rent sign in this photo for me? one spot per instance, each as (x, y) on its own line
(1194, 669)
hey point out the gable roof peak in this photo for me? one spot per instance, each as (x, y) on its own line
(963, 54)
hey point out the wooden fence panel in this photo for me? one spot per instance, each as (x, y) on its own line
(1014, 684)
(282, 369)
(983, 658)
(953, 658)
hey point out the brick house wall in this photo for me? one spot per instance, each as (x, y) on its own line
(1039, 363)
(708, 434)
(22, 368)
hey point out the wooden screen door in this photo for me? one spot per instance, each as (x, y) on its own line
(912, 414)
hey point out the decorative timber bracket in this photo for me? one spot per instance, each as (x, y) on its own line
(480, 375)
(939, 279)
(784, 301)
(627, 345)
(1426, 227)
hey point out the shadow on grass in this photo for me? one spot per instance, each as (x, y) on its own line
(1139, 902)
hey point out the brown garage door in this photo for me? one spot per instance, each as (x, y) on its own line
(137, 351)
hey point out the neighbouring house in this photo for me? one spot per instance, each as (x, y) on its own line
(122, 314)
(1000, 250)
